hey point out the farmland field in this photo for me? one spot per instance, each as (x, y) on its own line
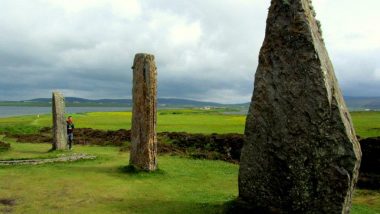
(182, 185)
(367, 124)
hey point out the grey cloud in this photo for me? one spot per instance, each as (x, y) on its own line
(356, 72)
(90, 53)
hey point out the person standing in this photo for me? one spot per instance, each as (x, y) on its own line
(70, 131)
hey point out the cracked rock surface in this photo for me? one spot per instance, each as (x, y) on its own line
(300, 153)
(59, 122)
(144, 113)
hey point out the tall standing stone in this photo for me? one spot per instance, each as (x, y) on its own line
(300, 153)
(144, 113)
(59, 122)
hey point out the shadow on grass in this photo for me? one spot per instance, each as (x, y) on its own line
(8, 201)
(117, 171)
(144, 205)
(121, 171)
(132, 170)
(238, 206)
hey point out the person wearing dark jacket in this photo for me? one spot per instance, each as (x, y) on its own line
(70, 131)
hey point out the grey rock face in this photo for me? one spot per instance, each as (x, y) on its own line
(144, 113)
(59, 122)
(300, 153)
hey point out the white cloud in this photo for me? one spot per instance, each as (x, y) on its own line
(204, 49)
(121, 8)
(348, 25)
(126, 8)
(377, 73)
(186, 34)
(75, 6)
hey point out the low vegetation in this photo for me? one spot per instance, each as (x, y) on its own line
(4, 146)
(192, 121)
(101, 186)
(182, 185)
(367, 124)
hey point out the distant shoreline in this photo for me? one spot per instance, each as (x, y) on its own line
(14, 111)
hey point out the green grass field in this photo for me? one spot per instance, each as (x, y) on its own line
(181, 185)
(367, 124)
(100, 186)
(193, 121)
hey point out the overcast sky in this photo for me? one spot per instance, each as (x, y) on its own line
(205, 49)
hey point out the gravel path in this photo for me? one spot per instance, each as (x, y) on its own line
(63, 158)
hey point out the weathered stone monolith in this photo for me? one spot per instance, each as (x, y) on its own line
(300, 153)
(144, 113)
(59, 122)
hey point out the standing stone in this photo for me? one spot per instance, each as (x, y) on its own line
(59, 122)
(300, 153)
(144, 113)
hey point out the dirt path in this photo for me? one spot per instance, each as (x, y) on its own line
(63, 158)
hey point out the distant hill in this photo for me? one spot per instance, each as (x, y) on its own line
(77, 100)
(162, 102)
(363, 103)
(354, 103)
